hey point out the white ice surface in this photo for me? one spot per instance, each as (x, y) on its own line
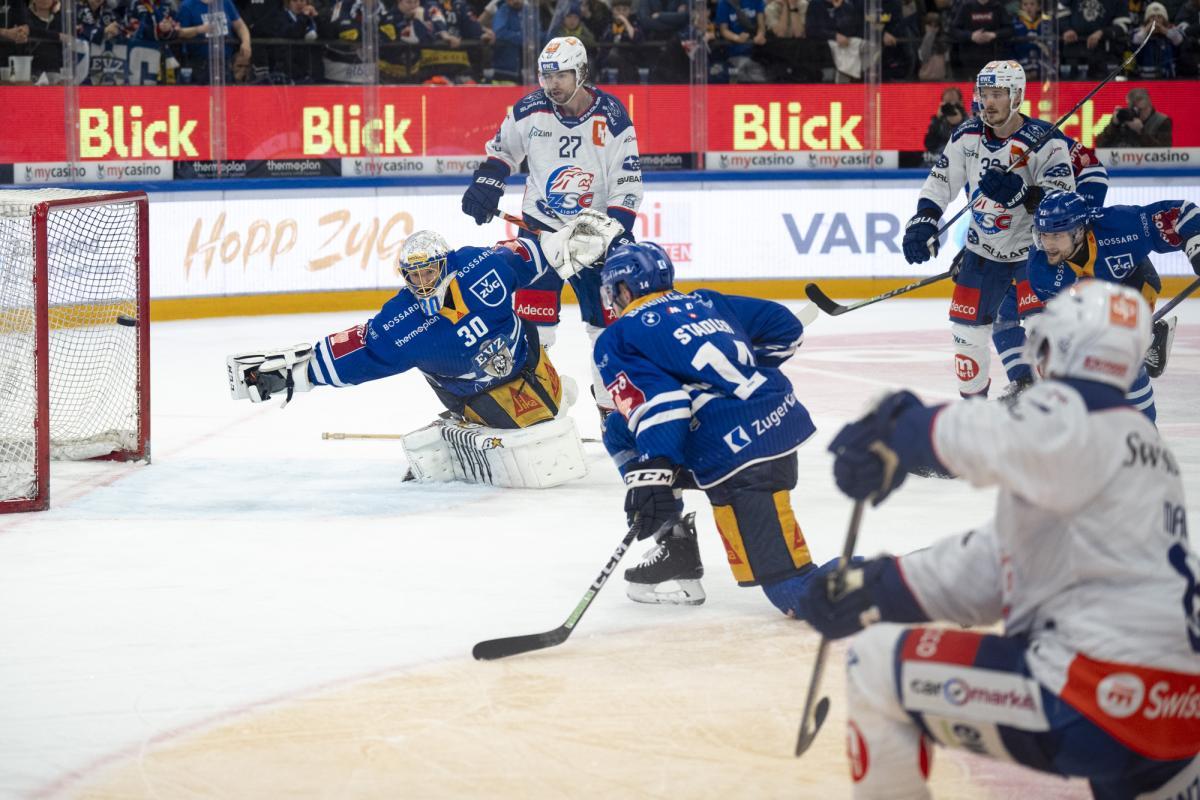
(253, 560)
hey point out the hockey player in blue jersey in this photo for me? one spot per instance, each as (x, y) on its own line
(1112, 244)
(703, 404)
(453, 321)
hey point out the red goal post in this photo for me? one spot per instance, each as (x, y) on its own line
(74, 334)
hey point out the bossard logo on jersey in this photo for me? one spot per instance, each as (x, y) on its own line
(569, 190)
(1120, 265)
(737, 439)
(489, 289)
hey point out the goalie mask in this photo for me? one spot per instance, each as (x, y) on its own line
(643, 267)
(563, 54)
(422, 264)
(1000, 75)
(1095, 331)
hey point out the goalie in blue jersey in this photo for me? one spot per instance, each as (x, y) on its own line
(701, 403)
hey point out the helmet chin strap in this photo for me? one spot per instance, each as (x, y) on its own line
(578, 86)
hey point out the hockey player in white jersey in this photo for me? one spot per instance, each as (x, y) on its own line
(1086, 564)
(1000, 233)
(582, 153)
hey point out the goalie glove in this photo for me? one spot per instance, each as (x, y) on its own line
(583, 242)
(257, 376)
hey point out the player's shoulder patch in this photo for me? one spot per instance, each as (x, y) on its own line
(531, 103)
(971, 127)
(1031, 131)
(613, 110)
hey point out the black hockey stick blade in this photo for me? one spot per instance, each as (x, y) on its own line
(808, 734)
(492, 649)
(824, 301)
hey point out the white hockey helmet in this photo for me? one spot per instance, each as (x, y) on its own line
(1002, 75)
(1096, 331)
(422, 264)
(564, 53)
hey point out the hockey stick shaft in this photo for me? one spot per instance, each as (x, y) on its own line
(815, 711)
(833, 308)
(341, 436)
(1177, 299)
(513, 645)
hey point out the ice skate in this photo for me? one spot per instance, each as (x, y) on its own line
(670, 572)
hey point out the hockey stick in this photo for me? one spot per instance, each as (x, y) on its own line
(1177, 299)
(339, 436)
(815, 711)
(512, 645)
(830, 307)
(834, 308)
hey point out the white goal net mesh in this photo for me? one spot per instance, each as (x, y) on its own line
(92, 254)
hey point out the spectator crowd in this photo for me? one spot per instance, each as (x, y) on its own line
(483, 41)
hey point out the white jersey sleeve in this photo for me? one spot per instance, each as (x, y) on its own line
(957, 579)
(1028, 448)
(949, 173)
(508, 145)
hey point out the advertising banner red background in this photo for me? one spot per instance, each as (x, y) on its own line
(131, 123)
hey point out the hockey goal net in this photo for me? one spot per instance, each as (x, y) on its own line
(74, 334)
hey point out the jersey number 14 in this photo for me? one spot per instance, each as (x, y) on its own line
(709, 355)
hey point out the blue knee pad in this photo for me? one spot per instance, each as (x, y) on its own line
(1008, 337)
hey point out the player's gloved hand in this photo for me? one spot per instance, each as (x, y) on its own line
(1006, 188)
(481, 201)
(1033, 198)
(581, 243)
(259, 375)
(841, 608)
(918, 233)
(649, 497)
(865, 464)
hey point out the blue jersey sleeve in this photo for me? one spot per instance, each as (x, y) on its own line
(655, 406)
(774, 330)
(1174, 225)
(365, 352)
(524, 258)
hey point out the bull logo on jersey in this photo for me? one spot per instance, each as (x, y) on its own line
(1119, 265)
(489, 289)
(626, 396)
(1165, 222)
(990, 217)
(569, 190)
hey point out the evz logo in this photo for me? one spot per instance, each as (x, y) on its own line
(489, 289)
(1120, 265)
(569, 190)
(1058, 171)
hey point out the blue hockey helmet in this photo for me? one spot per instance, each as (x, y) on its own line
(643, 267)
(1061, 212)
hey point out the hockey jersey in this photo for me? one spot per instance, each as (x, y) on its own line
(1087, 555)
(1118, 239)
(996, 232)
(697, 378)
(475, 342)
(589, 161)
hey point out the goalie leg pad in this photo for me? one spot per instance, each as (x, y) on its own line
(972, 358)
(257, 375)
(537, 457)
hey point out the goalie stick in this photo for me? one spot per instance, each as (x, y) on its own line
(513, 645)
(815, 710)
(834, 309)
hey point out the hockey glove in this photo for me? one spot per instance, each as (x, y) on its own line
(869, 592)
(1033, 198)
(649, 496)
(1006, 188)
(583, 242)
(481, 201)
(258, 376)
(866, 464)
(1160, 346)
(920, 231)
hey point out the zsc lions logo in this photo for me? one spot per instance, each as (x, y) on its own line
(489, 289)
(569, 190)
(990, 216)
